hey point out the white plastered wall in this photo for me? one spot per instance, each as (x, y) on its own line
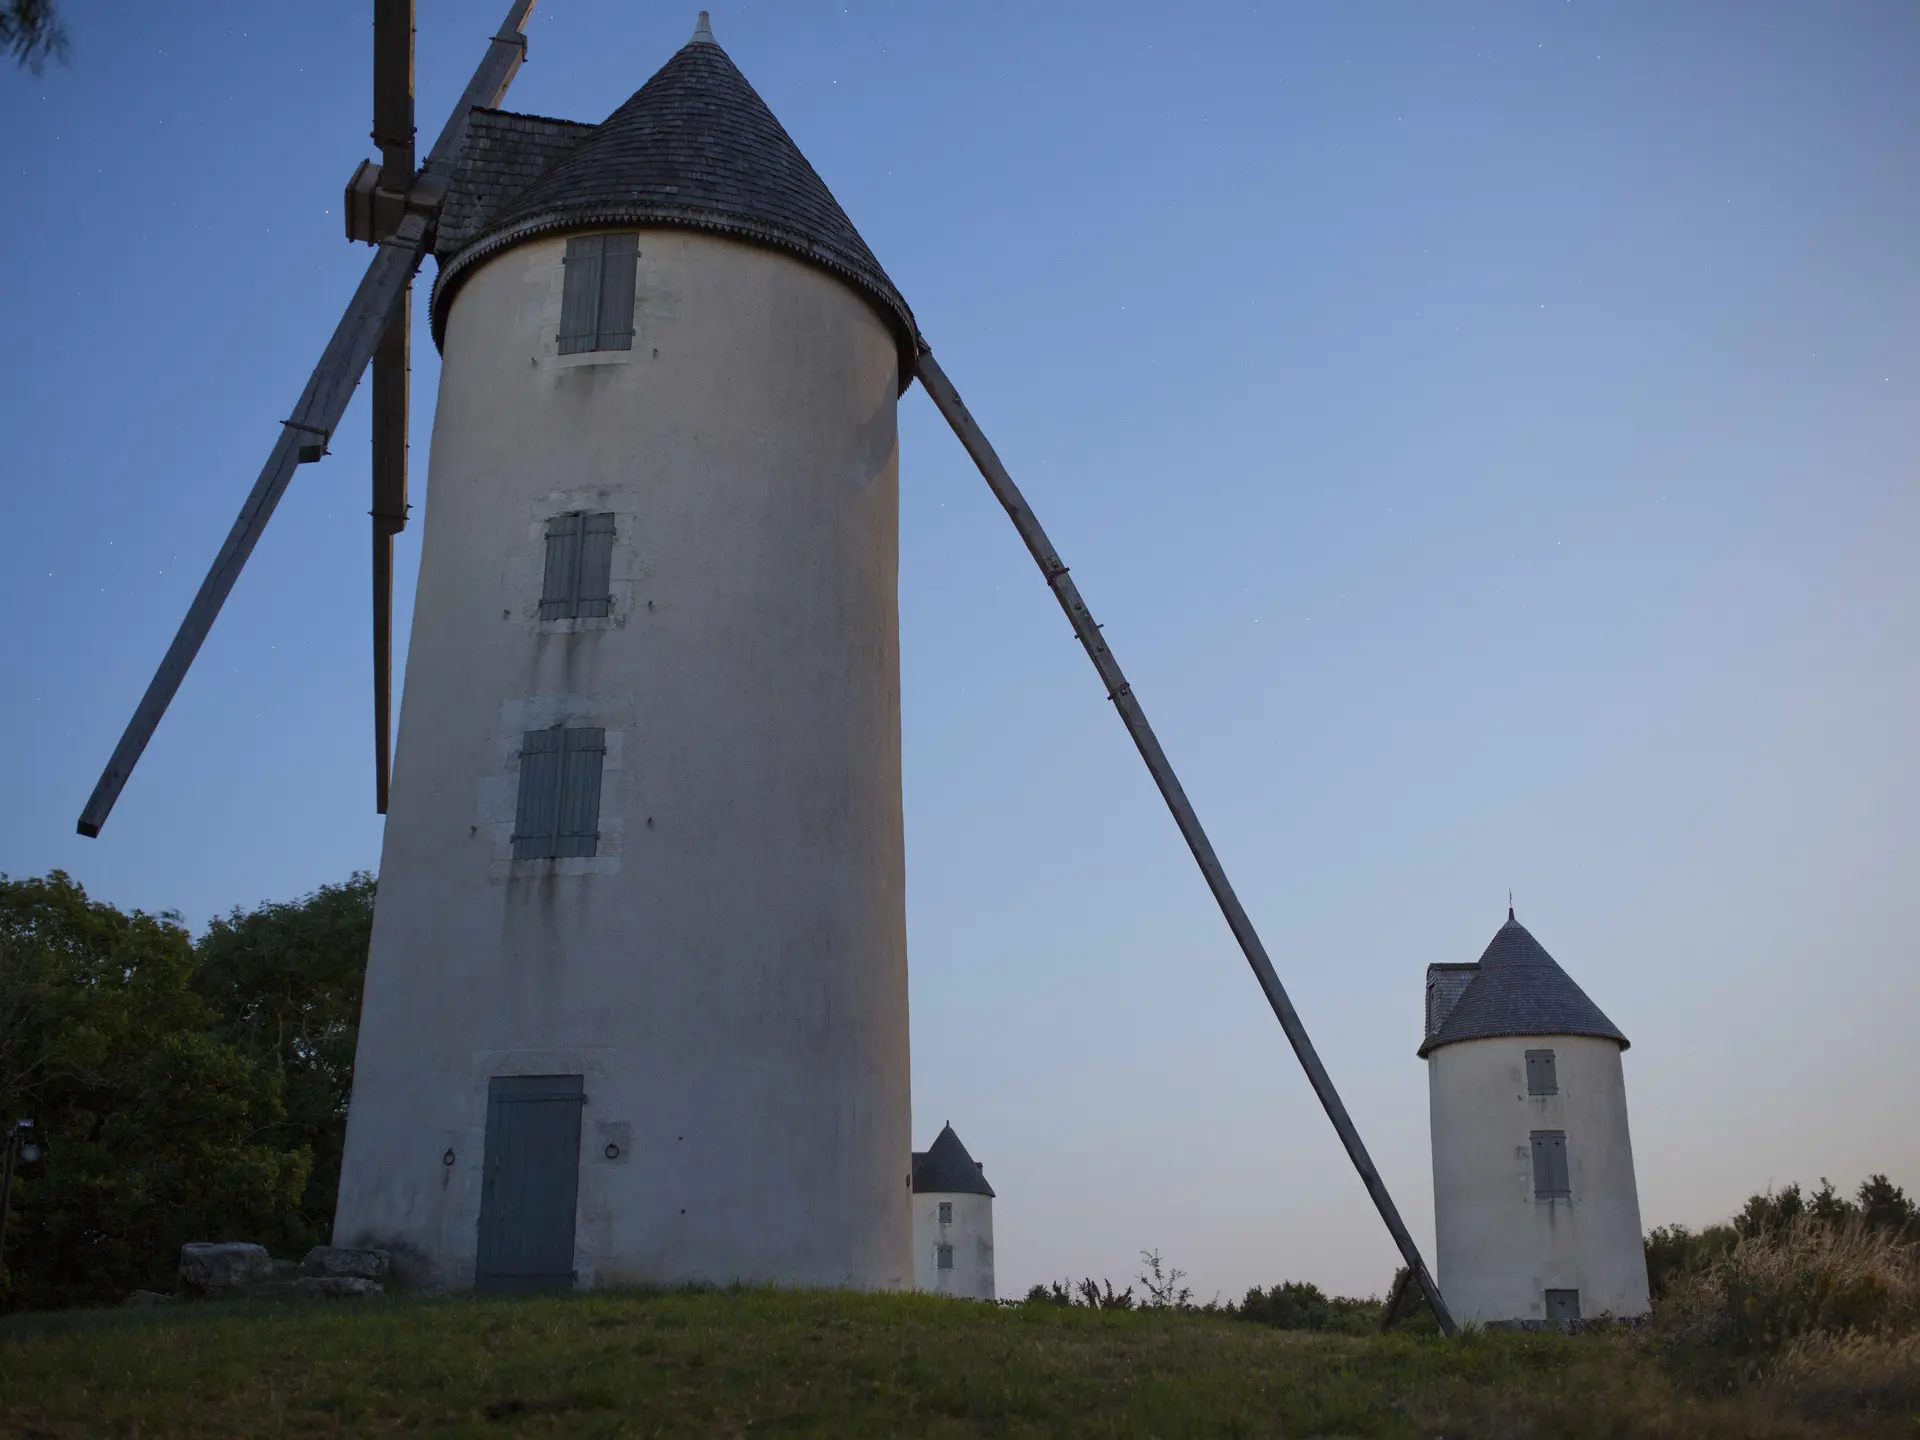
(969, 1232)
(728, 972)
(1498, 1247)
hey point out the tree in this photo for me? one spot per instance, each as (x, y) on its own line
(1885, 1206)
(32, 31)
(285, 981)
(153, 1128)
(1770, 1213)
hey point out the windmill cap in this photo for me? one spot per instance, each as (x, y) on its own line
(945, 1168)
(695, 148)
(1518, 989)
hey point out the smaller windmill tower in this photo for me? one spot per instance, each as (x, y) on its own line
(1536, 1213)
(952, 1221)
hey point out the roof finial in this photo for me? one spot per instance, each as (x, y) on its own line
(1509, 902)
(703, 32)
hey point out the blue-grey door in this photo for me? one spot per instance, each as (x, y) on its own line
(531, 1184)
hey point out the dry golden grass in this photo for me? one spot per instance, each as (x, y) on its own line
(1824, 1319)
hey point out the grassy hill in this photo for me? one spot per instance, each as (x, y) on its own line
(756, 1362)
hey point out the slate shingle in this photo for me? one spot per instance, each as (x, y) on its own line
(945, 1168)
(500, 156)
(694, 147)
(1519, 990)
(1445, 985)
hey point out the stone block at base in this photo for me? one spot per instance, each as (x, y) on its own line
(341, 1260)
(223, 1269)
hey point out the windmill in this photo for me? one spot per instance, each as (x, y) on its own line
(665, 453)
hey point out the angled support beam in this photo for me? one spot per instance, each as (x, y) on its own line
(303, 438)
(940, 390)
(1391, 1310)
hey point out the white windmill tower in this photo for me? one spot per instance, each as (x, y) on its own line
(636, 1003)
(1536, 1213)
(643, 881)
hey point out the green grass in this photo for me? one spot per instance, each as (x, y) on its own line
(805, 1363)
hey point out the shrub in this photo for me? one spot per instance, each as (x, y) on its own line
(1820, 1374)
(1089, 1294)
(1776, 1287)
(1300, 1305)
(1674, 1252)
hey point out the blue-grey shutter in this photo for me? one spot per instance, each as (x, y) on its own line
(559, 594)
(538, 811)
(580, 295)
(579, 829)
(943, 1257)
(620, 257)
(1541, 1076)
(595, 585)
(1550, 1164)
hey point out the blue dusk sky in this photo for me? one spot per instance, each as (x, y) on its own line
(1487, 432)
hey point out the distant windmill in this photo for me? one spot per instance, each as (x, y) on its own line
(636, 1000)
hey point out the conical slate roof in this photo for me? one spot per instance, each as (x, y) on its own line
(945, 1168)
(1520, 990)
(696, 146)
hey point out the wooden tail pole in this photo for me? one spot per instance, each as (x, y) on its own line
(947, 399)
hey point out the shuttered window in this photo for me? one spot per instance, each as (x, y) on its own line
(1550, 1165)
(579, 578)
(1541, 1079)
(1563, 1304)
(559, 810)
(943, 1257)
(596, 300)
(946, 1212)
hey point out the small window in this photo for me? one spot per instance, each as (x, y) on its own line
(1563, 1304)
(559, 810)
(579, 580)
(943, 1257)
(596, 301)
(1540, 1077)
(1550, 1165)
(946, 1212)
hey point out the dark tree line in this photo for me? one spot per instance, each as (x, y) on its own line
(179, 1090)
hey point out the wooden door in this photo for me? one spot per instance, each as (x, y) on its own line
(531, 1183)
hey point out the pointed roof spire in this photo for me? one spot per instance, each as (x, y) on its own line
(703, 32)
(1520, 990)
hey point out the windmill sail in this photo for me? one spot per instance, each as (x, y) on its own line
(305, 433)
